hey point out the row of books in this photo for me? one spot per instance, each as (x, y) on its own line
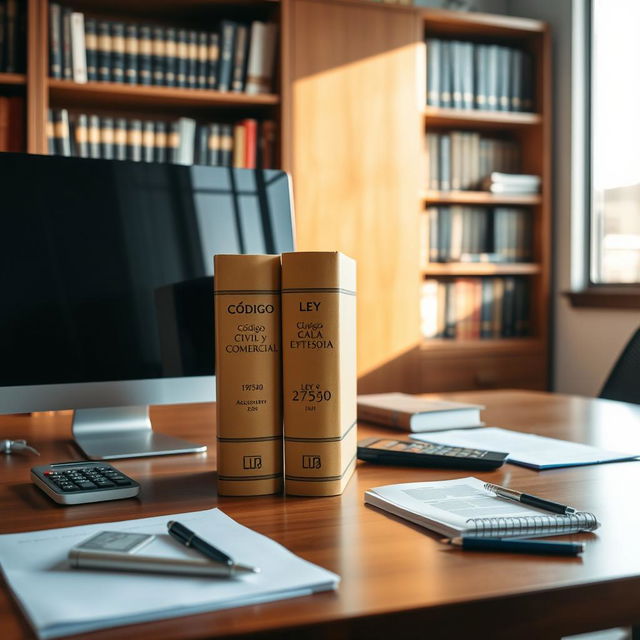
(235, 57)
(13, 18)
(469, 75)
(12, 129)
(474, 308)
(476, 234)
(245, 144)
(460, 160)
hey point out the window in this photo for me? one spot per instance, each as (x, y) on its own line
(615, 143)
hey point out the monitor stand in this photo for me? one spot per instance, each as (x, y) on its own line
(123, 432)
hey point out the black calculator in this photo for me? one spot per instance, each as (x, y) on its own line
(427, 454)
(82, 482)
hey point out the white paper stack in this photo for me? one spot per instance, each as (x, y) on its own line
(59, 600)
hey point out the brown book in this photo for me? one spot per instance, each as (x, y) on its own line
(239, 143)
(16, 141)
(4, 123)
(248, 374)
(319, 367)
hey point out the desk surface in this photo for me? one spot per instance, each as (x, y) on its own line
(396, 578)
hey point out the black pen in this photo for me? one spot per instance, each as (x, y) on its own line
(189, 539)
(525, 498)
(518, 546)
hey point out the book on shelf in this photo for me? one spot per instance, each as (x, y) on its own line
(510, 183)
(78, 48)
(261, 60)
(248, 374)
(182, 141)
(464, 507)
(67, 66)
(462, 160)
(475, 308)
(464, 233)
(414, 413)
(13, 18)
(12, 123)
(319, 371)
(233, 56)
(472, 75)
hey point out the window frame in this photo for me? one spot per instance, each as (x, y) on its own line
(596, 294)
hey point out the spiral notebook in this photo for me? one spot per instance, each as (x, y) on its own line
(464, 507)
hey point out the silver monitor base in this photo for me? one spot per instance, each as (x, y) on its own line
(123, 432)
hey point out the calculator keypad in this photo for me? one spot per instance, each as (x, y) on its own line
(87, 478)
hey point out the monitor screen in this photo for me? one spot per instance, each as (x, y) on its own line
(106, 266)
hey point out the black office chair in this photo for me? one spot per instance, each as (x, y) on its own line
(623, 382)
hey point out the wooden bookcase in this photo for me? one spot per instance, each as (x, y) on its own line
(349, 105)
(519, 362)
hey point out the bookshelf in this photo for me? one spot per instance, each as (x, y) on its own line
(138, 101)
(493, 361)
(348, 101)
(12, 79)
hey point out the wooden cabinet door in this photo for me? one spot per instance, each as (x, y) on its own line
(352, 134)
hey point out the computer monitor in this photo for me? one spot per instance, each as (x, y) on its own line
(106, 286)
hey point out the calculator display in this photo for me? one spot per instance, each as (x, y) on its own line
(116, 541)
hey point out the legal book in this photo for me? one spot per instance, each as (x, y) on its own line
(414, 413)
(203, 57)
(464, 507)
(186, 137)
(117, 52)
(158, 56)
(261, 57)
(192, 59)
(106, 138)
(93, 134)
(91, 48)
(498, 182)
(319, 371)
(238, 69)
(145, 50)
(104, 51)
(131, 54)
(78, 48)
(228, 30)
(67, 65)
(55, 44)
(248, 374)
(213, 55)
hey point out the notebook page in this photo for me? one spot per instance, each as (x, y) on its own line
(526, 449)
(450, 503)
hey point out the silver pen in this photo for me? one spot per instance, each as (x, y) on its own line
(526, 498)
(89, 559)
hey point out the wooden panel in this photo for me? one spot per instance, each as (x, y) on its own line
(485, 346)
(356, 130)
(479, 269)
(37, 69)
(67, 93)
(463, 370)
(8, 79)
(485, 24)
(398, 580)
(470, 118)
(478, 197)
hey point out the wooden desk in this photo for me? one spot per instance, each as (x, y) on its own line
(398, 581)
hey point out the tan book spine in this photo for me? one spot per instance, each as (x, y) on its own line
(319, 371)
(248, 374)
